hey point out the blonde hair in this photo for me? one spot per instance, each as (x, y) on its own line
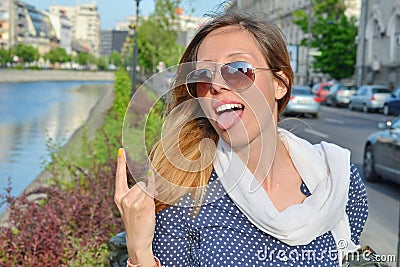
(191, 132)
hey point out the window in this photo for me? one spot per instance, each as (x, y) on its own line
(397, 92)
(396, 44)
(381, 91)
(396, 123)
(362, 91)
(376, 29)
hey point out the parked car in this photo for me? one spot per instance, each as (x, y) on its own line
(321, 90)
(382, 153)
(339, 94)
(392, 103)
(302, 101)
(369, 97)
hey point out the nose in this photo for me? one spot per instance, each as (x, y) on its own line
(218, 84)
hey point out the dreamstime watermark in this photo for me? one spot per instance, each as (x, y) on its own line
(296, 255)
(369, 256)
(315, 255)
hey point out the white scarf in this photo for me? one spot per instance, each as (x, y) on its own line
(324, 168)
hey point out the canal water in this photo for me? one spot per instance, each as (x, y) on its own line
(33, 113)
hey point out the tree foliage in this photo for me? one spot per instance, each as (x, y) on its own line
(101, 63)
(27, 53)
(85, 59)
(333, 34)
(58, 55)
(157, 37)
(5, 56)
(82, 59)
(115, 58)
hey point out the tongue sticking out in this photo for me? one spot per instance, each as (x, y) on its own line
(228, 119)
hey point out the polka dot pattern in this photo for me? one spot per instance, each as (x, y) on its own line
(220, 235)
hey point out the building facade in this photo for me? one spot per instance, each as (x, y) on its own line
(85, 21)
(186, 27)
(40, 32)
(378, 47)
(23, 23)
(63, 29)
(280, 12)
(5, 23)
(112, 40)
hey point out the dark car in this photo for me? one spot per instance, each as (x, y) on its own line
(392, 103)
(382, 153)
(339, 94)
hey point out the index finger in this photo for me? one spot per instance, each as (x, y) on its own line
(121, 183)
(151, 182)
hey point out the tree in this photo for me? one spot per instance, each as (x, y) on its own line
(157, 37)
(101, 63)
(58, 55)
(82, 59)
(5, 56)
(333, 34)
(27, 53)
(115, 58)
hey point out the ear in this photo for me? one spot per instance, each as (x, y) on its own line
(280, 88)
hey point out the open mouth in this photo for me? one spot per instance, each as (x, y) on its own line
(228, 114)
(228, 108)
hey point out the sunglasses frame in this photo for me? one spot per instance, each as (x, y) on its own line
(219, 71)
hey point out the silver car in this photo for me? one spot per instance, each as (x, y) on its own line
(339, 94)
(369, 97)
(303, 101)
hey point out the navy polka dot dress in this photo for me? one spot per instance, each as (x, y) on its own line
(220, 235)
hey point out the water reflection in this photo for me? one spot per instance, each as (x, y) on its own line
(30, 114)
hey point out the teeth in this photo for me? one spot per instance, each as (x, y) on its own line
(224, 107)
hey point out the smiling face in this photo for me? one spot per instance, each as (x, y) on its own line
(239, 117)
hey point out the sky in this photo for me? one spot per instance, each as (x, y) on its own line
(112, 11)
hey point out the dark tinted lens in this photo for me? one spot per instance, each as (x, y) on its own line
(239, 75)
(199, 82)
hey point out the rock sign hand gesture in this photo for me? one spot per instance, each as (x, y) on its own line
(137, 209)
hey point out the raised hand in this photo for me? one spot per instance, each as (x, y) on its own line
(137, 209)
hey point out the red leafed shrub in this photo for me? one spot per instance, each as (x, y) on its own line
(53, 227)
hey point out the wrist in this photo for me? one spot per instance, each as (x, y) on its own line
(142, 256)
(156, 263)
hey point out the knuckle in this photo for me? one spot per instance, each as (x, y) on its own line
(125, 202)
(137, 206)
(117, 199)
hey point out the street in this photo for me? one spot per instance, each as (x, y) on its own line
(350, 129)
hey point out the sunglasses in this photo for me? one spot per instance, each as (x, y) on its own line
(238, 75)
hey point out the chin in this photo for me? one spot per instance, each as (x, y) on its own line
(236, 140)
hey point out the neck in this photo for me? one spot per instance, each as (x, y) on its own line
(261, 154)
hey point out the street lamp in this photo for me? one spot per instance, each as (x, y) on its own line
(135, 49)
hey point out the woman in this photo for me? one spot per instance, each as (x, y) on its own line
(256, 195)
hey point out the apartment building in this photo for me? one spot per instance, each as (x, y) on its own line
(112, 40)
(5, 27)
(85, 21)
(63, 29)
(23, 23)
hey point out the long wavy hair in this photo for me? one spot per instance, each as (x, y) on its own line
(183, 136)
